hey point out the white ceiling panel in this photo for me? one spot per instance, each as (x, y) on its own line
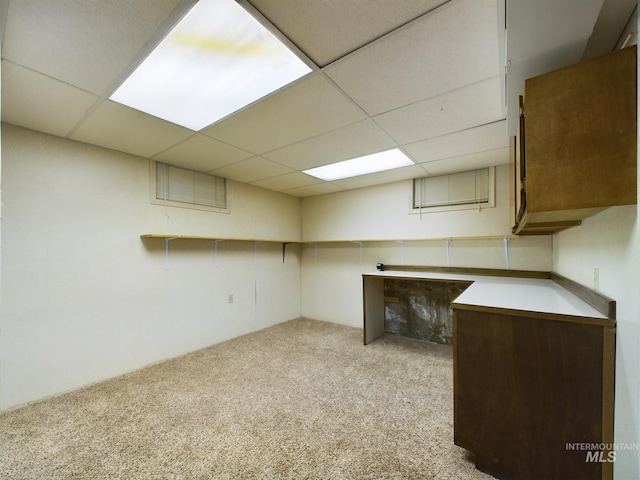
(315, 189)
(38, 102)
(287, 181)
(121, 128)
(354, 140)
(465, 163)
(251, 170)
(454, 46)
(330, 29)
(478, 139)
(462, 109)
(84, 43)
(202, 153)
(307, 108)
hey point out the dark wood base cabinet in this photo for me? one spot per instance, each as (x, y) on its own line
(528, 388)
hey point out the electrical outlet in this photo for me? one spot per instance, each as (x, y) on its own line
(230, 298)
(596, 279)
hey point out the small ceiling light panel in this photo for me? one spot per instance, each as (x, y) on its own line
(215, 61)
(376, 162)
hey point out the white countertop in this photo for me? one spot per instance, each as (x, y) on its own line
(528, 294)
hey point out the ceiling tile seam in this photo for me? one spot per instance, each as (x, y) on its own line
(390, 33)
(42, 74)
(301, 195)
(197, 134)
(348, 180)
(368, 119)
(172, 19)
(292, 170)
(252, 104)
(442, 94)
(328, 132)
(86, 115)
(278, 33)
(460, 131)
(253, 182)
(357, 105)
(409, 156)
(478, 152)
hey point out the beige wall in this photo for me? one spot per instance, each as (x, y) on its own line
(84, 299)
(382, 212)
(610, 242)
(332, 272)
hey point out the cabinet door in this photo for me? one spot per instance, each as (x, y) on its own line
(523, 389)
(581, 135)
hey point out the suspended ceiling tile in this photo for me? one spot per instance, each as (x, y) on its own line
(455, 45)
(482, 138)
(352, 141)
(313, 190)
(461, 109)
(286, 181)
(84, 43)
(202, 153)
(307, 108)
(404, 173)
(251, 170)
(38, 102)
(328, 30)
(121, 128)
(490, 158)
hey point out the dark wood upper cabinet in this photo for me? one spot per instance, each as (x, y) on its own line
(580, 153)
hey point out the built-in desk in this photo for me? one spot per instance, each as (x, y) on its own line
(534, 365)
(538, 295)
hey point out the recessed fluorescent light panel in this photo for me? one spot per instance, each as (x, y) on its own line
(376, 162)
(215, 61)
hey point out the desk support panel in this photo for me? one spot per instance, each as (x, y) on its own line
(373, 298)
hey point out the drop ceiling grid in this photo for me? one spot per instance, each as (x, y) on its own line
(359, 138)
(404, 173)
(287, 181)
(461, 109)
(40, 102)
(251, 170)
(60, 39)
(330, 29)
(426, 58)
(314, 189)
(315, 121)
(127, 130)
(471, 161)
(477, 139)
(307, 108)
(202, 153)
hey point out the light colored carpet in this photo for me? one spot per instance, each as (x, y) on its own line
(300, 400)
